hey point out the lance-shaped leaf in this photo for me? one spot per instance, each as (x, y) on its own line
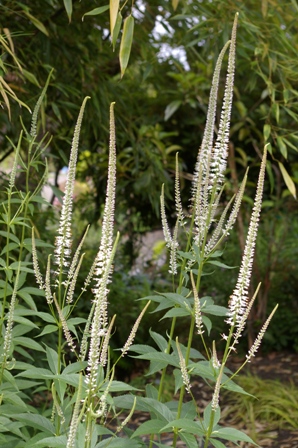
(126, 42)
(96, 11)
(68, 8)
(114, 7)
(116, 30)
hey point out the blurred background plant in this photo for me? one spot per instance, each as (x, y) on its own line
(263, 411)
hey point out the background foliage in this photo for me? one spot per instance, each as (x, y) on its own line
(161, 108)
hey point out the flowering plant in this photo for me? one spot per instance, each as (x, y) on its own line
(79, 378)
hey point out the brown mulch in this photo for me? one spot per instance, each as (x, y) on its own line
(274, 366)
(284, 368)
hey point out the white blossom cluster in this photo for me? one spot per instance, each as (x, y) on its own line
(209, 171)
(239, 299)
(102, 268)
(64, 239)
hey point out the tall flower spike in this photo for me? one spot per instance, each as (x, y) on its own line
(7, 343)
(217, 233)
(200, 186)
(164, 221)
(197, 307)
(99, 322)
(101, 269)
(220, 152)
(76, 257)
(13, 172)
(35, 263)
(48, 292)
(215, 361)
(67, 335)
(72, 283)
(238, 301)
(183, 368)
(202, 181)
(71, 440)
(259, 338)
(234, 213)
(242, 324)
(105, 345)
(106, 243)
(173, 250)
(220, 233)
(215, 397)
(64, 240)
(178, 202)
(207, 142)
(171, 242)
(33, 130)
(134, 329)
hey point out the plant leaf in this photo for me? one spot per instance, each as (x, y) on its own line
(114, 7)
(171, 108)
(234, 435)
(35, 421)
(126, 43)
(37, 23)
(288, 181)
(28, 343)
(217, 443)
(68, 8)
(160, 357)
(96, 11)
(186, 424)
(116, 30)
(52, 442)
(149, 427)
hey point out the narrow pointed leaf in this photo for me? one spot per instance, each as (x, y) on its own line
(116, 30)
(126, 42)
(175, 4)
(96, 11)
(288, 181)
(114, 7)
(37, 23)
(68, 8)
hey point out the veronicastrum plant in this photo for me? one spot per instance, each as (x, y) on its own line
(72, 379)
(204, 229)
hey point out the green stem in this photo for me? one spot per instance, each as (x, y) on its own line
(182, 390)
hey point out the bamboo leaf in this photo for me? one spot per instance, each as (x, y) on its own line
(68, 8)
(266, 131)
(116, 30)
(282, 147)
(31, 78)
(96, 11)
(288, 181)
(171, 108)
(126, 42)
(114, 7)
(175, 4)
(37, 23)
